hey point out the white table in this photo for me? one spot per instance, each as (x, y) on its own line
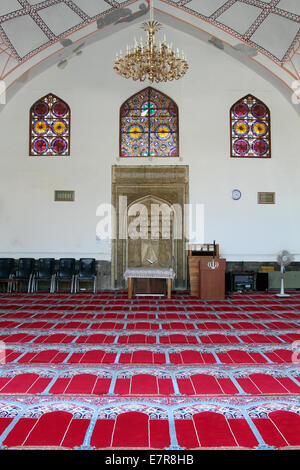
(149, 273)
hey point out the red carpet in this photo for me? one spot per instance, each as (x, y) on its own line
(101, 371)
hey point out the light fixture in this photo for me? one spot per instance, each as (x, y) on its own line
(62, 64)
(248, 50)
(150, 62)
(76, 52)
(216, 42)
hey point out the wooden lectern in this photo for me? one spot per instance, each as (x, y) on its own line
(212, 279)
(196, 253)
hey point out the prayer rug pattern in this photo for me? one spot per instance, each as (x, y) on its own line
(99, 371)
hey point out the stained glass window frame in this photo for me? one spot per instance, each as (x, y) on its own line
(149, 90)
(248, 123)
(49, 135)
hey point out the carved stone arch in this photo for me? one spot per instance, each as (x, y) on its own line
(157, 244)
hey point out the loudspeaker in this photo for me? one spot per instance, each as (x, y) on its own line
(262, 281)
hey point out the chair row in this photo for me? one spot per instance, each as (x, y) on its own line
(26, 270)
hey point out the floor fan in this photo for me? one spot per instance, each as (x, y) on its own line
(284, 259)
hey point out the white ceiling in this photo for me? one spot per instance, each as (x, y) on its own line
(270, 28)
(270, 25)
(29, 25)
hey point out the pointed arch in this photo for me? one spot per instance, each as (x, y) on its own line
(149, 125)
(250, 129)
(50, 119)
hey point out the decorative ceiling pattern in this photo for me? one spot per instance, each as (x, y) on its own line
(270, 26)
(45, 22)
(262, 34)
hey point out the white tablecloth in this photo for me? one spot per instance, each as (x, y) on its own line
(150, 273)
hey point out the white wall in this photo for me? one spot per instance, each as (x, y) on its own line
(32, 224)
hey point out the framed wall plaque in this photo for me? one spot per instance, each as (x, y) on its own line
(64, 196)
(265, 198)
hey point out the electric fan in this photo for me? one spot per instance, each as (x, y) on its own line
(284, 259)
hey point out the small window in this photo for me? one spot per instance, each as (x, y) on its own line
(250, 129)
(49, 127)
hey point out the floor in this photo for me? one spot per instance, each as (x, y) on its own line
(99, 371)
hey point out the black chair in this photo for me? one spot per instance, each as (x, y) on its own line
(45, 272)
(66, 272)
(7, 268)
(86, 272)
(25, 271)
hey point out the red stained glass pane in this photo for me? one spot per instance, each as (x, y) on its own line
(59, 146)
(59, 109)
(40, 146)
(41, 109)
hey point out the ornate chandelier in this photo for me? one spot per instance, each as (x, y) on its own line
(149, 62)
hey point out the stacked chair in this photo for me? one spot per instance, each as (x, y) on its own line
(86, 272)
(45, 272)
(7, 268)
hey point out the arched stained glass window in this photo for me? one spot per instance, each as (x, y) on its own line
(50, 127)
(149, 125)
(250, 129)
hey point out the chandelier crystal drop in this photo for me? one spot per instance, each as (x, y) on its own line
(151, 62)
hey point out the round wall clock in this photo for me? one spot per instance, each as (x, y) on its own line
(236, 194)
